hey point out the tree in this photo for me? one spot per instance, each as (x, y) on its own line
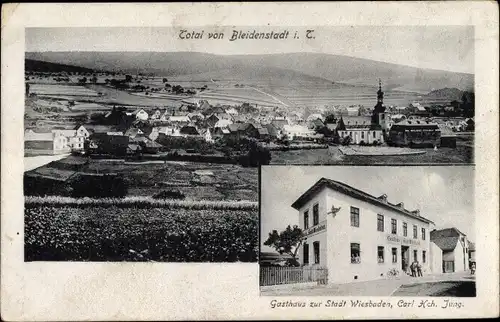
(165, 80)
(128, 78)
(286, 242)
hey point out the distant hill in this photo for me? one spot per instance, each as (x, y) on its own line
(31, 65)
(446, 93)
(296, 67)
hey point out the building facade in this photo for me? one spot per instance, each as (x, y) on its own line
(358, 236)
(452, 246)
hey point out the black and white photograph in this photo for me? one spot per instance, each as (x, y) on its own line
(278, 160)
(367, 231)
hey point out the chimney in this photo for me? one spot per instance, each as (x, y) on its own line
(416, 212)
(401, 205)
(383, 197)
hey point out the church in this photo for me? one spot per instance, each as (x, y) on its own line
(365, 130)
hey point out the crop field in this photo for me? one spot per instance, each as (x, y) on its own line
(65, 90)
(228, 182)
(120, 231)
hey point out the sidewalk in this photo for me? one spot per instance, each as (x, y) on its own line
(382, 287)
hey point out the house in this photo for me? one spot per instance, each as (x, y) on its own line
(207, 135)
(165, 116)
(46, 143)
(82, 131)
(417, 109)
(203, 105)
(189, 130)
(231, 111)
(140, 114)
(315, 116)
(133, 132)
(195, 117)
(274, 132)
(316, 123)
(295, 117)
(108, 144)
(219, 132)
(452, 248)
(352, 110)
(156, 115)
(360, 129)
(279, 124)
(292, 132)
(179, 120)
(414, 133)
(251, 130)
(74, 140)
(223, 123)
(147, 145)
(358, 236)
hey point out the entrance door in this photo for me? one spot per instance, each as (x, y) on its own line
(405, 258)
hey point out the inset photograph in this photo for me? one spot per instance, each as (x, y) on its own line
(367, 231)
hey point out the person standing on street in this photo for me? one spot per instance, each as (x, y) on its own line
(419, 269)
(413, 269)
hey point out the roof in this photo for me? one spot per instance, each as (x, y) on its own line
(179, 119)
(279, 123)
(355, 193)
(189, 130)
(447, 232)
(446, 243)
(34, 136)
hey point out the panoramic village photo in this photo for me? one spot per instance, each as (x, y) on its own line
(367, 231)
(144, 144)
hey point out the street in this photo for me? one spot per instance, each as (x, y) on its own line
(449, 284)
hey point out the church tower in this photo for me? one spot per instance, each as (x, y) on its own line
(378, 116)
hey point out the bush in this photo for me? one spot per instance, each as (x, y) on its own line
(346, 140)
(376, 143)
(169, 194)
(362, 143)
(95, 233)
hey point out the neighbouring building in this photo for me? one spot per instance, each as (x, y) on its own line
(358, 236)
(140, 114)
(452, 246)
(414, 133)
(292, 132)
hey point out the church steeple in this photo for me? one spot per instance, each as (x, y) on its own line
(380, 94)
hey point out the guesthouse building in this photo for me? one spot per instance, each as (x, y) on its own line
(358, 236)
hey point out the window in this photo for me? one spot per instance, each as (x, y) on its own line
(414, 231)
(415, 255)
(306, 254)
(394, 255)
(362, 134)
(423, 256)
(315, 214)
(423, 233)
(405, 229)
(354, 217)
(306, 219)
(380, 254)
(380, 223)
(350, 133)
(316, 252)
(355, 253)
(374, 134)
(394, 226)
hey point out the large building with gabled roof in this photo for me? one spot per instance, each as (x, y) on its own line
(358, 236)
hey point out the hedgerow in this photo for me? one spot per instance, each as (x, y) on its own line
(116, 233)
(137, 202)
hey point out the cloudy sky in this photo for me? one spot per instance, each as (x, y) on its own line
(436, 47)
(444, 195)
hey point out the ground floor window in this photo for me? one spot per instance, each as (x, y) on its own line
(316, 252)
(423, 256)
(394, 255)
(306, 254)
(380, 254)
(415, 255)
(355, 253)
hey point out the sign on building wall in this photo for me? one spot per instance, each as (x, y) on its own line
(403, 241)
(315, 229)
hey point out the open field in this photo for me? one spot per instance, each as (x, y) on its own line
(223, 181)
(462, 154)
(65, 90)
(125, 233)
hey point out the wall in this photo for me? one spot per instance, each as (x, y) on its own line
(321, 236)
(341, 235)
(459, 258)
(436, 259)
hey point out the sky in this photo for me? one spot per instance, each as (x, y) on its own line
(443, 194)
(448, 48)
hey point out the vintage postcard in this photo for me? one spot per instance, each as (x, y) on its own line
(249, 161)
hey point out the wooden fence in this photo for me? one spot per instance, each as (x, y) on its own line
(290, 275)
